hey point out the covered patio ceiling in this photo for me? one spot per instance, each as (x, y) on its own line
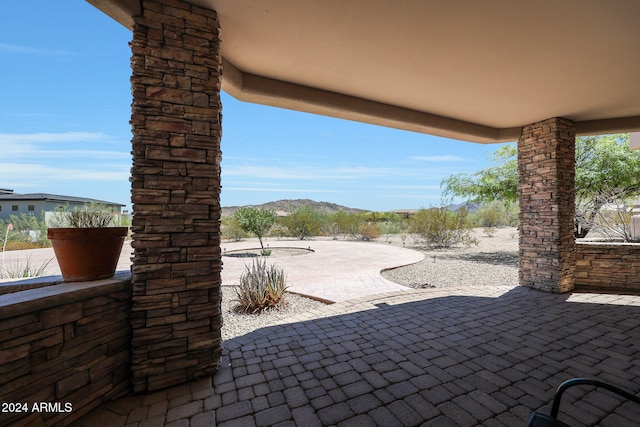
(464, 69)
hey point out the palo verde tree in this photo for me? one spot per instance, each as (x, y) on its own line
(256, 221)
(497, 182)
(606, 170)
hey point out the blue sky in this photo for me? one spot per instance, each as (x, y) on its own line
(64, 127)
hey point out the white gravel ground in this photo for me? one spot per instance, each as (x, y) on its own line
(493, 262)
(236, 324)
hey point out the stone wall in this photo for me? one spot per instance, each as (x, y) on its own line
(66, 346)
(175, 190)
(607, 266)
(546, 191)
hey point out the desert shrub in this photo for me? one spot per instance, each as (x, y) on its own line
(349, 224)
(261, 287)
(330, 228)
(393, 224)
(231, 230)
(279, 230)
(496, 214)
(369, 231)
(304, 222)
(380, 217)
(441, 227)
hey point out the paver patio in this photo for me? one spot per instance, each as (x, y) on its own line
(463, 357)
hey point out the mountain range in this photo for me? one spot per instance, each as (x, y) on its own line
(283, 207)
(288, 206)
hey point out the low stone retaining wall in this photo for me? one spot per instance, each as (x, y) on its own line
(607, 266)
(64, 350)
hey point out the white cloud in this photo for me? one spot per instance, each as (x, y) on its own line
(439, 159)
(56, 146)
(318, 172)
(50, 137)
(418, 196)
(17, 174)
(351, 172)
(33, 152)
(268, 172)
(28, 50)
(409, 187)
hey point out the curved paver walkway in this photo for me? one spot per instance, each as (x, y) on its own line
(334, 271)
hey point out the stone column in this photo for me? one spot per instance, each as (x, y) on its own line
(546, 190)
(175, 190)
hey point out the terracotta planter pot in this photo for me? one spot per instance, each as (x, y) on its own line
(87, 253)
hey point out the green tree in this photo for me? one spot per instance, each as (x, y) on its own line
(605, 169)
(304, 222)
(256, 221)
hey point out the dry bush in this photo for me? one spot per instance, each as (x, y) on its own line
(369, 231)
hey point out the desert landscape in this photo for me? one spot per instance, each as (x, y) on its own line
(494, 261)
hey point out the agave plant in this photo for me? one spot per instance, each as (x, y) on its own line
(261, 287)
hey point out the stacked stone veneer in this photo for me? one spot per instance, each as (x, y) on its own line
(608, 266)
(176, 124)
(65, 345)
(546, 190)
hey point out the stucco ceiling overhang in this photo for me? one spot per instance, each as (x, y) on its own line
(465, 69)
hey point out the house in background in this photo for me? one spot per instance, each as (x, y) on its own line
(39, 203)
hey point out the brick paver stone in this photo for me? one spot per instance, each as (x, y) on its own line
(418, 375)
